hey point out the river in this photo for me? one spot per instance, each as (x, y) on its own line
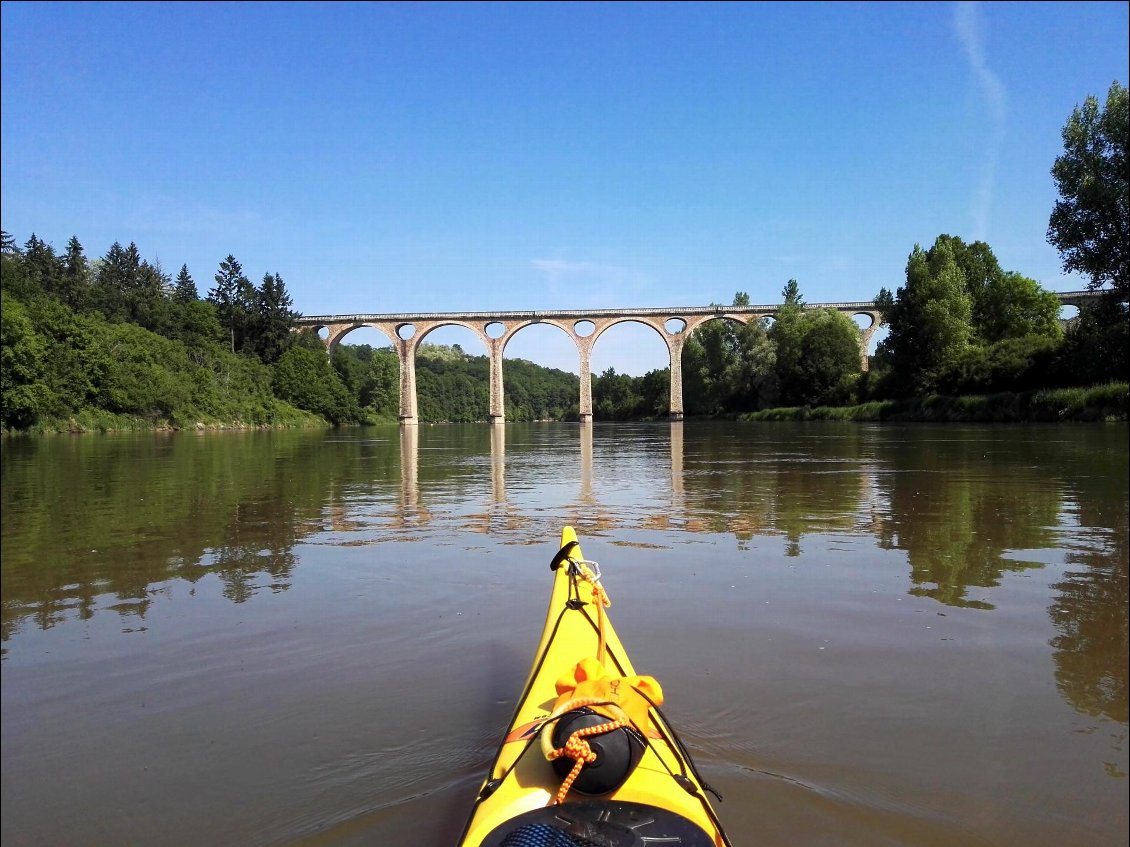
(866, 634)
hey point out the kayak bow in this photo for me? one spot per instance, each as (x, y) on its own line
(588, 757)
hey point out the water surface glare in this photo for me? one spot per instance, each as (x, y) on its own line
(867, 635)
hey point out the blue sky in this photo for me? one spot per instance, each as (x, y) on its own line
(458, 156)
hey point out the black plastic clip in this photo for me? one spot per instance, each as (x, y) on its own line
(562, 555)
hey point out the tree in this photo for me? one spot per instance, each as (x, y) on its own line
(381, 389)
(274, 318)
(148, 304)
(791, 294)
(8, 244)
(1004, 304)
(728, 366)
(817, 352)
(929, 319)
(233, 296)
(184, 289)
(42, 265)
(114, 277)
(829, 362)
(74, 281)
(23, 393)
(1014, 306)
(1097, 346)
(305, 377)
(787, 335)
(1090, 224)
(614, 396)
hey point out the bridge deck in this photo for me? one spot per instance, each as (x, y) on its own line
(861, 306)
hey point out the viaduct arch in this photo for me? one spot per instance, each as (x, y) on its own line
(407, 330)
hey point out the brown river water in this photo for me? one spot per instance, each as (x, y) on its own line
(866, 634)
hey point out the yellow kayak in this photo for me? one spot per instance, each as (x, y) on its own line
(588, 757)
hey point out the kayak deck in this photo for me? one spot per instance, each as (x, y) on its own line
(662, 797)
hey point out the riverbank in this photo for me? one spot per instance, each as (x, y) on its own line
(96, 421)
(1110, 402)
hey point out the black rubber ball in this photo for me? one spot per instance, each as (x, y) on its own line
(617, 752)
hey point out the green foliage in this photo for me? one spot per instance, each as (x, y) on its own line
(534, 393)
(24, 395)
(70, 357)
(308, 339)
(1109, 402)
(1097, 346)
(1012, 364)
(239, 389)
(378, 389)
(614, 396)
(42, 266)
(929, 319)
(1014, 306)
(116, 342)
(75, 277)
(1004, 305)
(234, 298)
(620, 397)
(139, 373)
(830, 360)
(68, 369)
(184, 290)
(14, 278)
(817, 352)
(962, 324)
(273, 319)
(1090, 224)
(451, 387)
(115, 281)
(728, 366)
(197, 325)
(440, 352)
(306, 379)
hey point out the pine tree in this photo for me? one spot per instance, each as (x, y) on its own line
(275, 318)
(131, 278)
(43, 266)
(75, 280)
(230, 297)
(107, 290)
(184, 290)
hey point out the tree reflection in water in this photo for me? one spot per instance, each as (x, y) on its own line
(114, 523)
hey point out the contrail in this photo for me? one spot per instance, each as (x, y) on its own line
(969, 23)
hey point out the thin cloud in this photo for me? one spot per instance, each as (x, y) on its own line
(589, 284)
(176, 216)
(970, 26)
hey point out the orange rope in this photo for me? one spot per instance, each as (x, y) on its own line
(581, 753)
(601, 601)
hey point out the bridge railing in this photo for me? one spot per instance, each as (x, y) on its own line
(860, 306)
(578, 314)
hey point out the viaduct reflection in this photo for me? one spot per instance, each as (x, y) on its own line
(586, 510)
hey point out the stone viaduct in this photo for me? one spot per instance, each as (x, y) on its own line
(406, 331)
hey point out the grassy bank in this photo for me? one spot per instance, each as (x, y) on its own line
(95, 420)
(1110, 402)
